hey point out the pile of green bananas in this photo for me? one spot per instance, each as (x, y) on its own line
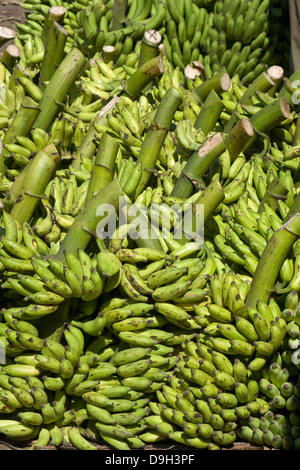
(237, 37)
(123, 344)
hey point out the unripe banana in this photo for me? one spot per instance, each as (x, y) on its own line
(91, 327)
(101, 371)
(224, 379)
(20, 370)
(129, 355)
(222, 362)
(20, 432)
(78, 440)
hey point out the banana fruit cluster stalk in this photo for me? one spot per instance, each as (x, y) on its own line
(127, 341)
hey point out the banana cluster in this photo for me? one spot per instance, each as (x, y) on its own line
(52, 281)
(186, 30)
(9, 105)
(242, 21)
(98, 29)
(272, 429)
(238, 37)
(126, 345)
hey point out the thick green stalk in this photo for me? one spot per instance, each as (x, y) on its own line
(10, 56)
(55, 13)
(273, 257)
(276, 73)
(132, 87)
(88, 145)
(143, 76)
(23, 121)
(17, 72)
(265, 82)
(275, 191)
(118, 14)
(200, 161)
(269, 117)
(149, 46)
(6, 34)
(209, 113)
(54, 52)
(104, 165)
(197, 166)
(210, 199)
(238, 138)
(58, 87)
(20, 126)
(108, 53)
(290, 90)
(12, 194)
(155, 136)
(219, 83)
(149, 49)
(84, 227)
(41, 170)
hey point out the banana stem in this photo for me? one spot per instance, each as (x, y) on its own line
(269, 117)
(197, 165)
(156, 135)
(239, 137)
(290, 87)
(209, 113)
(17, 72)
(132, 87)
(149, 46)
(23, 120)
(108, 53)
(276, 73)
(15, 189)
(41, 170)
(20, 126)
(275, 253)
(219, 83)
(118, 14)
(6, 34)
(104, 164)
(149, 241)
(10, 56)
(201, 160)
(84, 227)
(143, 76)
(88, 145)
(276, 190)
(54, 52)
(210, 199)
(266, 82)
(55, 13)
(58, 87)
(149, 49)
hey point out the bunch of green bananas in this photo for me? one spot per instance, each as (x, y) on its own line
(238, 37)
(131, 345)
(275, 430)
